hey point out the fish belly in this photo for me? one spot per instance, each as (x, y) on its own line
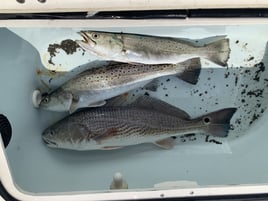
(86, 98)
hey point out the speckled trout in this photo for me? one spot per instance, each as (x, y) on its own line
(147, 120)
(92, 87)
(146, 49)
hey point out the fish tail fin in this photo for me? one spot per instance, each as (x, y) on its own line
(218, 123)
(192, 70)
(218, 51)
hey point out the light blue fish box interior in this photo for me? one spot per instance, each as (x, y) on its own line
(195, 161)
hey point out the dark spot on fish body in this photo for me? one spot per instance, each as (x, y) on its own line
(166, 95)
(168, 80)
(237, 41)
(242, 100)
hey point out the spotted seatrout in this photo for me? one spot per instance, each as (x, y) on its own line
(92, 87)
(147, 120)
(134, 48)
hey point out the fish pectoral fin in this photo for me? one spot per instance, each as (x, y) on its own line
(152, 86)
(191, 72)
(77, 104)
(73, 107)
(167, 143)
(97, 104)
(130, 54)
(105, 135)
(111, 148)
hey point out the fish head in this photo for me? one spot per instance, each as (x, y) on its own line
(102, 44)
(58, 100)
(66, 134)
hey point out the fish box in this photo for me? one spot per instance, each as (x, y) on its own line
(38, 56)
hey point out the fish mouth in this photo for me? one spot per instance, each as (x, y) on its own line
(49, 142)
(87, 40)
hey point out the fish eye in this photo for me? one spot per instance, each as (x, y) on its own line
(46, 99)
(51, 132)
(207, 120)
(95, 35)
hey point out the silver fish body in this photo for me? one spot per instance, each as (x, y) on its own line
(153, 121)
(148, 49)
(92, 87)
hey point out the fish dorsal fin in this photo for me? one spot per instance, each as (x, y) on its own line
(158, 105)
